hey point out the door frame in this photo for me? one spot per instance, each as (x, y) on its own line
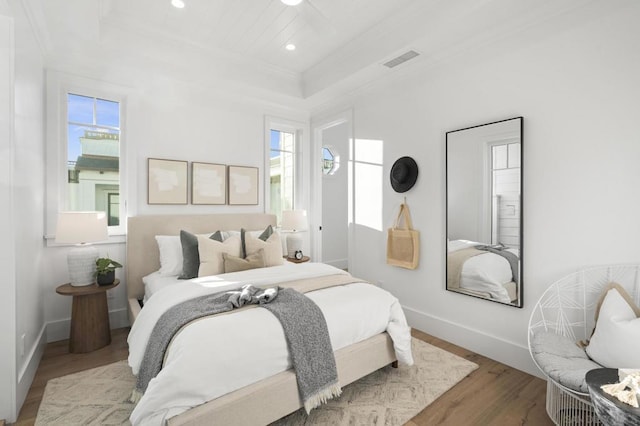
(318, 126)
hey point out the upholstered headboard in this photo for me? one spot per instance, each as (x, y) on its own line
(142, 249)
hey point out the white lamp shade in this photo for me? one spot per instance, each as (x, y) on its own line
(294, 220)
(81, 227)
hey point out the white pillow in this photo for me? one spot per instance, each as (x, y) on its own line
(211, 262)
(616, 340)
(272, 248)
(170, 254)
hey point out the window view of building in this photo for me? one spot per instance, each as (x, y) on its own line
(93, 155)
(282, 174)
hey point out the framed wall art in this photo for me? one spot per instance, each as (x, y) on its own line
(243, 185)
(208, 183)
(166, 181)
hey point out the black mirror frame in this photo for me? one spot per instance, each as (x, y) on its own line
(520, 301)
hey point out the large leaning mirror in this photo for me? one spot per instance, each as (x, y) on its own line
(484, 211)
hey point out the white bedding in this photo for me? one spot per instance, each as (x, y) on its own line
(487, 273)
(217, 355)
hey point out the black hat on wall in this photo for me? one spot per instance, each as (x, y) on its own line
(404, 174)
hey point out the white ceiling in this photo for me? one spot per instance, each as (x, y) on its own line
(258, 29)
(340, 43)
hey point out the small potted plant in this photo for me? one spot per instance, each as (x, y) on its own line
(106, 270)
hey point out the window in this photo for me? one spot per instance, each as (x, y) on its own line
(93, 155)
(330, 161)
(282, 156)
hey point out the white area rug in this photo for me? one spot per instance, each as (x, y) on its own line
(388, 396)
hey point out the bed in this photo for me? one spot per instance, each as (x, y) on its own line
(271, 397)
(480, 272)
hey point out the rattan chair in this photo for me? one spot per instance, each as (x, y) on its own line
(567, 308)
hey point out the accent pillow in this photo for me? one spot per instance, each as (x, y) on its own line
(211, 262)
(170, 254)
(272, 248)
(262, 235)
(616, 340)
(236, 264)
(190, 254)
(624, 295)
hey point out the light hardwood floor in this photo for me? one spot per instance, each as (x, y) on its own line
(494, 394)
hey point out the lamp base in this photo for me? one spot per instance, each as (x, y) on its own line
(294, 243)
(81, 262)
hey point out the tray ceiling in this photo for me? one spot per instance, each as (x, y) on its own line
(339, 43)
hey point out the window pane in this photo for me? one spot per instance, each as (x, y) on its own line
(113, 209)
(500, 157)
(282, 172)
(330, 161)
(369, 151)
(80, 109)
(275, 140)
(93, 159)
(282, 141)
(368, 195)
(108, 113)
(514, 155)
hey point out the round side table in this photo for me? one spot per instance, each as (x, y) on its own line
(293, 260)
(609, 409)
(90, 329)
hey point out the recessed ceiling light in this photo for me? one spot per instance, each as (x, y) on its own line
(290, 47)
(291, 2)
(178, 4)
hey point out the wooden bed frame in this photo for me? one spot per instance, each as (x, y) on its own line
(267, 400)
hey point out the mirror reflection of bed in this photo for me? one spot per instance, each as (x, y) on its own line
(483, 270)
(484, 233)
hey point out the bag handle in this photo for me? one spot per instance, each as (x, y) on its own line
(404, 212)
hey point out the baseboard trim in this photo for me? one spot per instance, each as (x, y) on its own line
(504, 351)
(59, 330)
(28, 370)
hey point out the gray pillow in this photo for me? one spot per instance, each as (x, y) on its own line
(191, 255)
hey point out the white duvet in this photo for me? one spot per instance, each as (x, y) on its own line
(485, 273)
(220, 354)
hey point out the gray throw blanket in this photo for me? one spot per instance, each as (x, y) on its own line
(309, 346)
(304, 326)
(501, 250)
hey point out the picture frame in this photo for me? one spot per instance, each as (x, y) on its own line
(242, 182)
(166, 181)
(208, 183)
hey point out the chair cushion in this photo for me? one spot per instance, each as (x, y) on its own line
(562, 360)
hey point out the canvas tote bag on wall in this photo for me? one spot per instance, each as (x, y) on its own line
(403, 243)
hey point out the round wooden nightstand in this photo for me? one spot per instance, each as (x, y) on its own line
(293, 260)
(90, 329)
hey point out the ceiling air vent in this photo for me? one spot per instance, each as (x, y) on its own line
(401, 59)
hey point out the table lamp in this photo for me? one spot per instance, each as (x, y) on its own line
(81, 229)
(294, 221)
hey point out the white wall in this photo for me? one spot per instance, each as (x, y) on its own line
(28, 187)
(7, 256)
(574, 79)
(21, 215)
(335, 228)
(163, 118)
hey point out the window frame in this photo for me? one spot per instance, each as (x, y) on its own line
(59, 85)
(288, 126)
